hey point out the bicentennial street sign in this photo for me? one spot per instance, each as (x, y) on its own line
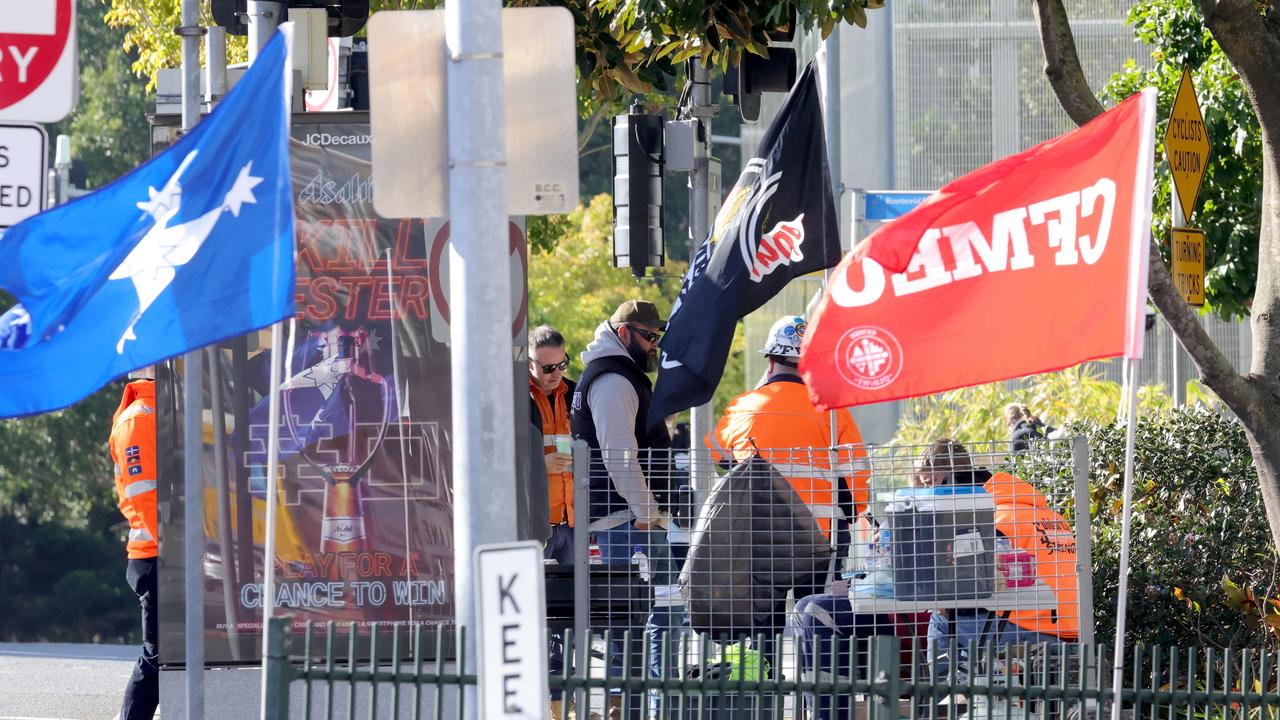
(1186, 145)
(38, 70)
(1186, 248)
(24, 151)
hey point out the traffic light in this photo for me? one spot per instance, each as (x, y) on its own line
(638, 166)
(346, 17)
(756, 75)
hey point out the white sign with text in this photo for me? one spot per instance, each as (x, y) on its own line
(23, 169)
(511, 618)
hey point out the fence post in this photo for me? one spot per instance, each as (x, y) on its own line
(580, 655)
(279, 669)
(887, 682)
(1084, 537)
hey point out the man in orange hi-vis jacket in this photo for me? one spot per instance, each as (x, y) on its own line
(778, 421)
(133, 448)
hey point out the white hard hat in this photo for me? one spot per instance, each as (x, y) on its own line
(785, 336)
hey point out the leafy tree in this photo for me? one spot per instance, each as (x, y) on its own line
(108, 127)
(1247, 34)
(976, 414)
(62, 535)
(1198, 575)
(623, 47)
(573, 285)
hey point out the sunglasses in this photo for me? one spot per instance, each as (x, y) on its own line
(548, 369)
(649, 335)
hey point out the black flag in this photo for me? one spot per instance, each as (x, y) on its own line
(778, 223)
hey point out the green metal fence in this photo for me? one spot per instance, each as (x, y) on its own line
(323, 674)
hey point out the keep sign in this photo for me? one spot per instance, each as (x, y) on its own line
(511, 619)
(23, 153)
(38, 73)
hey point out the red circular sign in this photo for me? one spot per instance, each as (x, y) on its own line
(28, 58)
(437, 284)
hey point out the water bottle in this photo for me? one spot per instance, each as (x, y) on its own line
(641, 561)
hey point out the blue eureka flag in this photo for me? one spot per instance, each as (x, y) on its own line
(191, 248)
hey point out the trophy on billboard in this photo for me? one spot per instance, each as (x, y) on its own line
(340, 404)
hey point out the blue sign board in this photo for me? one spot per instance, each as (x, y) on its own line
(886, 205)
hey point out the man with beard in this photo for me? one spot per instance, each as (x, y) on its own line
(628, 456)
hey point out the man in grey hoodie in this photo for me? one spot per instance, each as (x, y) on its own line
(629, 458)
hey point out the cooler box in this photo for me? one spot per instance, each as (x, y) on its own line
(943, 543)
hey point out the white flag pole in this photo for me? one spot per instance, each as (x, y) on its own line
(273, 463)
(1131, 406)
(1139, 257)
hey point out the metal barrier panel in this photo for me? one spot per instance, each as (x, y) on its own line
(810, 545)
(1018, 682)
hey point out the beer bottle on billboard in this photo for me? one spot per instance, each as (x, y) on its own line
(342, 524)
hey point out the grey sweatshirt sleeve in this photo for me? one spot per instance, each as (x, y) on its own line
(614, 403)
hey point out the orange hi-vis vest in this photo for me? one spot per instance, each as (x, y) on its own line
(555, 421)
(778, 420)
(1023, 516)
(133, 448)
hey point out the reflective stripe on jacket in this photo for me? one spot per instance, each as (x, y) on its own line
(133, 449)
(552, 415)
(1023, 516)
(795, 437)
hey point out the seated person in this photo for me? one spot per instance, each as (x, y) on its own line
(823, 624)
(1025, 520)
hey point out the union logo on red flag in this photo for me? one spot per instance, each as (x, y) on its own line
(1033, 263)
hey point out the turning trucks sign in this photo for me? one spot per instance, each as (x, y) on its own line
(37, 59)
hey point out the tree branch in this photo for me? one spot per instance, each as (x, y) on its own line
(589, 128)
(1216, 370)
(1062, 63)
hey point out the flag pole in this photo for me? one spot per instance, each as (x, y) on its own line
(263, 19)
(193, 418)
(278, 352)
(1131, 401)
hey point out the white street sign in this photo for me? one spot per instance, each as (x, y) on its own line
(511, 617)
(39, 80)
(24, 153)
(409, 120)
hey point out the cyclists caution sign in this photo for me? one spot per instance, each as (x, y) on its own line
(38, 69)
(1186, 145)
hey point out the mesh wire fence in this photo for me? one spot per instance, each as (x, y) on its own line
(786, 551)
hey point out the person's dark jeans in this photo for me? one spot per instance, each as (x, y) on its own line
(559, 546)
(142, 694)
(824, 626)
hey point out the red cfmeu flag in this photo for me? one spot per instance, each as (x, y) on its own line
(1033, 263)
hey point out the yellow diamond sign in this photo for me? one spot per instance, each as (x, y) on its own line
(1186, 145)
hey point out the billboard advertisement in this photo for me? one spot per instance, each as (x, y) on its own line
(365, 497)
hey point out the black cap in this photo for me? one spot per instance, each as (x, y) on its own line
(642, 312)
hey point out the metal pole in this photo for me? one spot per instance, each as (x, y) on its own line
(264, 16)
(193, 416)
(223, 496)
(1084, 538)
(1179, 388)
(700, 417)
(483, 389)
(215, 65)
(1122, 598)
(581, 571)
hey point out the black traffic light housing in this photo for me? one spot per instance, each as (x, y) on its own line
(638, 167)
(346, 17)
(755, 75)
